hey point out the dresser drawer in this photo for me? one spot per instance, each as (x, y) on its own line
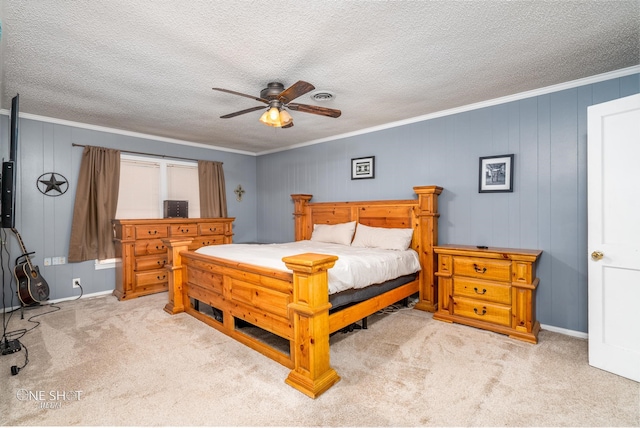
(213, 228)
(151, 231)
(482, 311)
(203, 241)
(489, 269)
(150, 262)
(482, 290)
(178, 230)
(150, 277)
(149, 246)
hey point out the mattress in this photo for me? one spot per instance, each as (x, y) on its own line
(357, 295)
(355, 268)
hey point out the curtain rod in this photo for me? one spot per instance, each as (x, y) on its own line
(144, 154)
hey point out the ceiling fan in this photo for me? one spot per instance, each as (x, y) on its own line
(277, 98)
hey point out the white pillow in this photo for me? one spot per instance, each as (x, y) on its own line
(341, 233)
(382, 237)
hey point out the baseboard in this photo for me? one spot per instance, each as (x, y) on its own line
(66, 299)
(84, 296)
(578, 334)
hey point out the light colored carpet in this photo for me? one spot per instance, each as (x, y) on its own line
(130, 363)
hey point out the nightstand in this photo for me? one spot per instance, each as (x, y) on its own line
(489, 288)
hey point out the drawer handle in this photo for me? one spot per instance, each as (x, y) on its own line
(184, 230)
(484, 290)
(160, 247)
(161, 277)
(477, 268)
(484, 311)
(155, 232)
(206, 243)
(212, 229)
(161, 262)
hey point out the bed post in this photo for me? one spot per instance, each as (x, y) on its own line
(300, 212)
(427, 217)
(312, 373)
(175, 270)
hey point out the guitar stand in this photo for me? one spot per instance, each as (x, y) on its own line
(22, 256)
(21, 259)
(23, 306)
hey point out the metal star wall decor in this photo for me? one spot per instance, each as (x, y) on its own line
(57, 184)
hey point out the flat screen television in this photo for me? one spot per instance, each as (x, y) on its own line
(8, 188)
(15, 119)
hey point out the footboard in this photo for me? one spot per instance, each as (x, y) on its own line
(293, 306)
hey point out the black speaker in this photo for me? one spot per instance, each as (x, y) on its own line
(8, 197)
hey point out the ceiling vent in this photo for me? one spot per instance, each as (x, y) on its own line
(322, 96)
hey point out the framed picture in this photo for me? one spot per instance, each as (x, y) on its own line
(363, 168)
(496, 174)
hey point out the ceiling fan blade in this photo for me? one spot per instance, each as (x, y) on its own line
(238, 113)
(294, 91)
(323, 111)
(242, 95)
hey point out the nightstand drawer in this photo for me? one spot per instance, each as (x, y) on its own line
(493, 270)
(482, 290)
(482, 311)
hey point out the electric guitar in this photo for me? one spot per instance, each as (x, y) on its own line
(32, 287)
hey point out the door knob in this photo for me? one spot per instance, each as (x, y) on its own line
(597, 255)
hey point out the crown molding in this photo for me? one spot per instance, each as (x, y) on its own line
(502, 100)
(126, 133)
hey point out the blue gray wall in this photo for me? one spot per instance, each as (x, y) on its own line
(44, 222)
(547, 209)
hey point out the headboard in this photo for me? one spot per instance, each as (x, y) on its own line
(419, 214)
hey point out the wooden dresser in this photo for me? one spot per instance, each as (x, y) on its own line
(142, 254)
(492, 289)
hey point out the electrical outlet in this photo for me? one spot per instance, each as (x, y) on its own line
(76, 283)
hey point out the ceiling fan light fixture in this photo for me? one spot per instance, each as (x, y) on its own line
(268, 118)
(274, 114)
(265, 117)
(276, 117)
(285, 118)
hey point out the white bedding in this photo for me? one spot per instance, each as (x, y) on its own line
(355, 268)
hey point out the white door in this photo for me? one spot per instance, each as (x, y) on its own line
(614, 236)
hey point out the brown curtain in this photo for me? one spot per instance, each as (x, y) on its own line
(95, 206)
(213, 199)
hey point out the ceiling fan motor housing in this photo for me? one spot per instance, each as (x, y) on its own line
(272, 91)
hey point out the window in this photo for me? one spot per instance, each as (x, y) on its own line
(145, 183)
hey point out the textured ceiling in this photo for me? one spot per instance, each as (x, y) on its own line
(148, 66)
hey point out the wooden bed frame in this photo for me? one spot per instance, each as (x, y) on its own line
(295, 306)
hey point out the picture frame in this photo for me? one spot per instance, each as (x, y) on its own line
(362, 168)
(496, 174)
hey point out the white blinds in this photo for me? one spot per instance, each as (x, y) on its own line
(145, 183)
(182, 185)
